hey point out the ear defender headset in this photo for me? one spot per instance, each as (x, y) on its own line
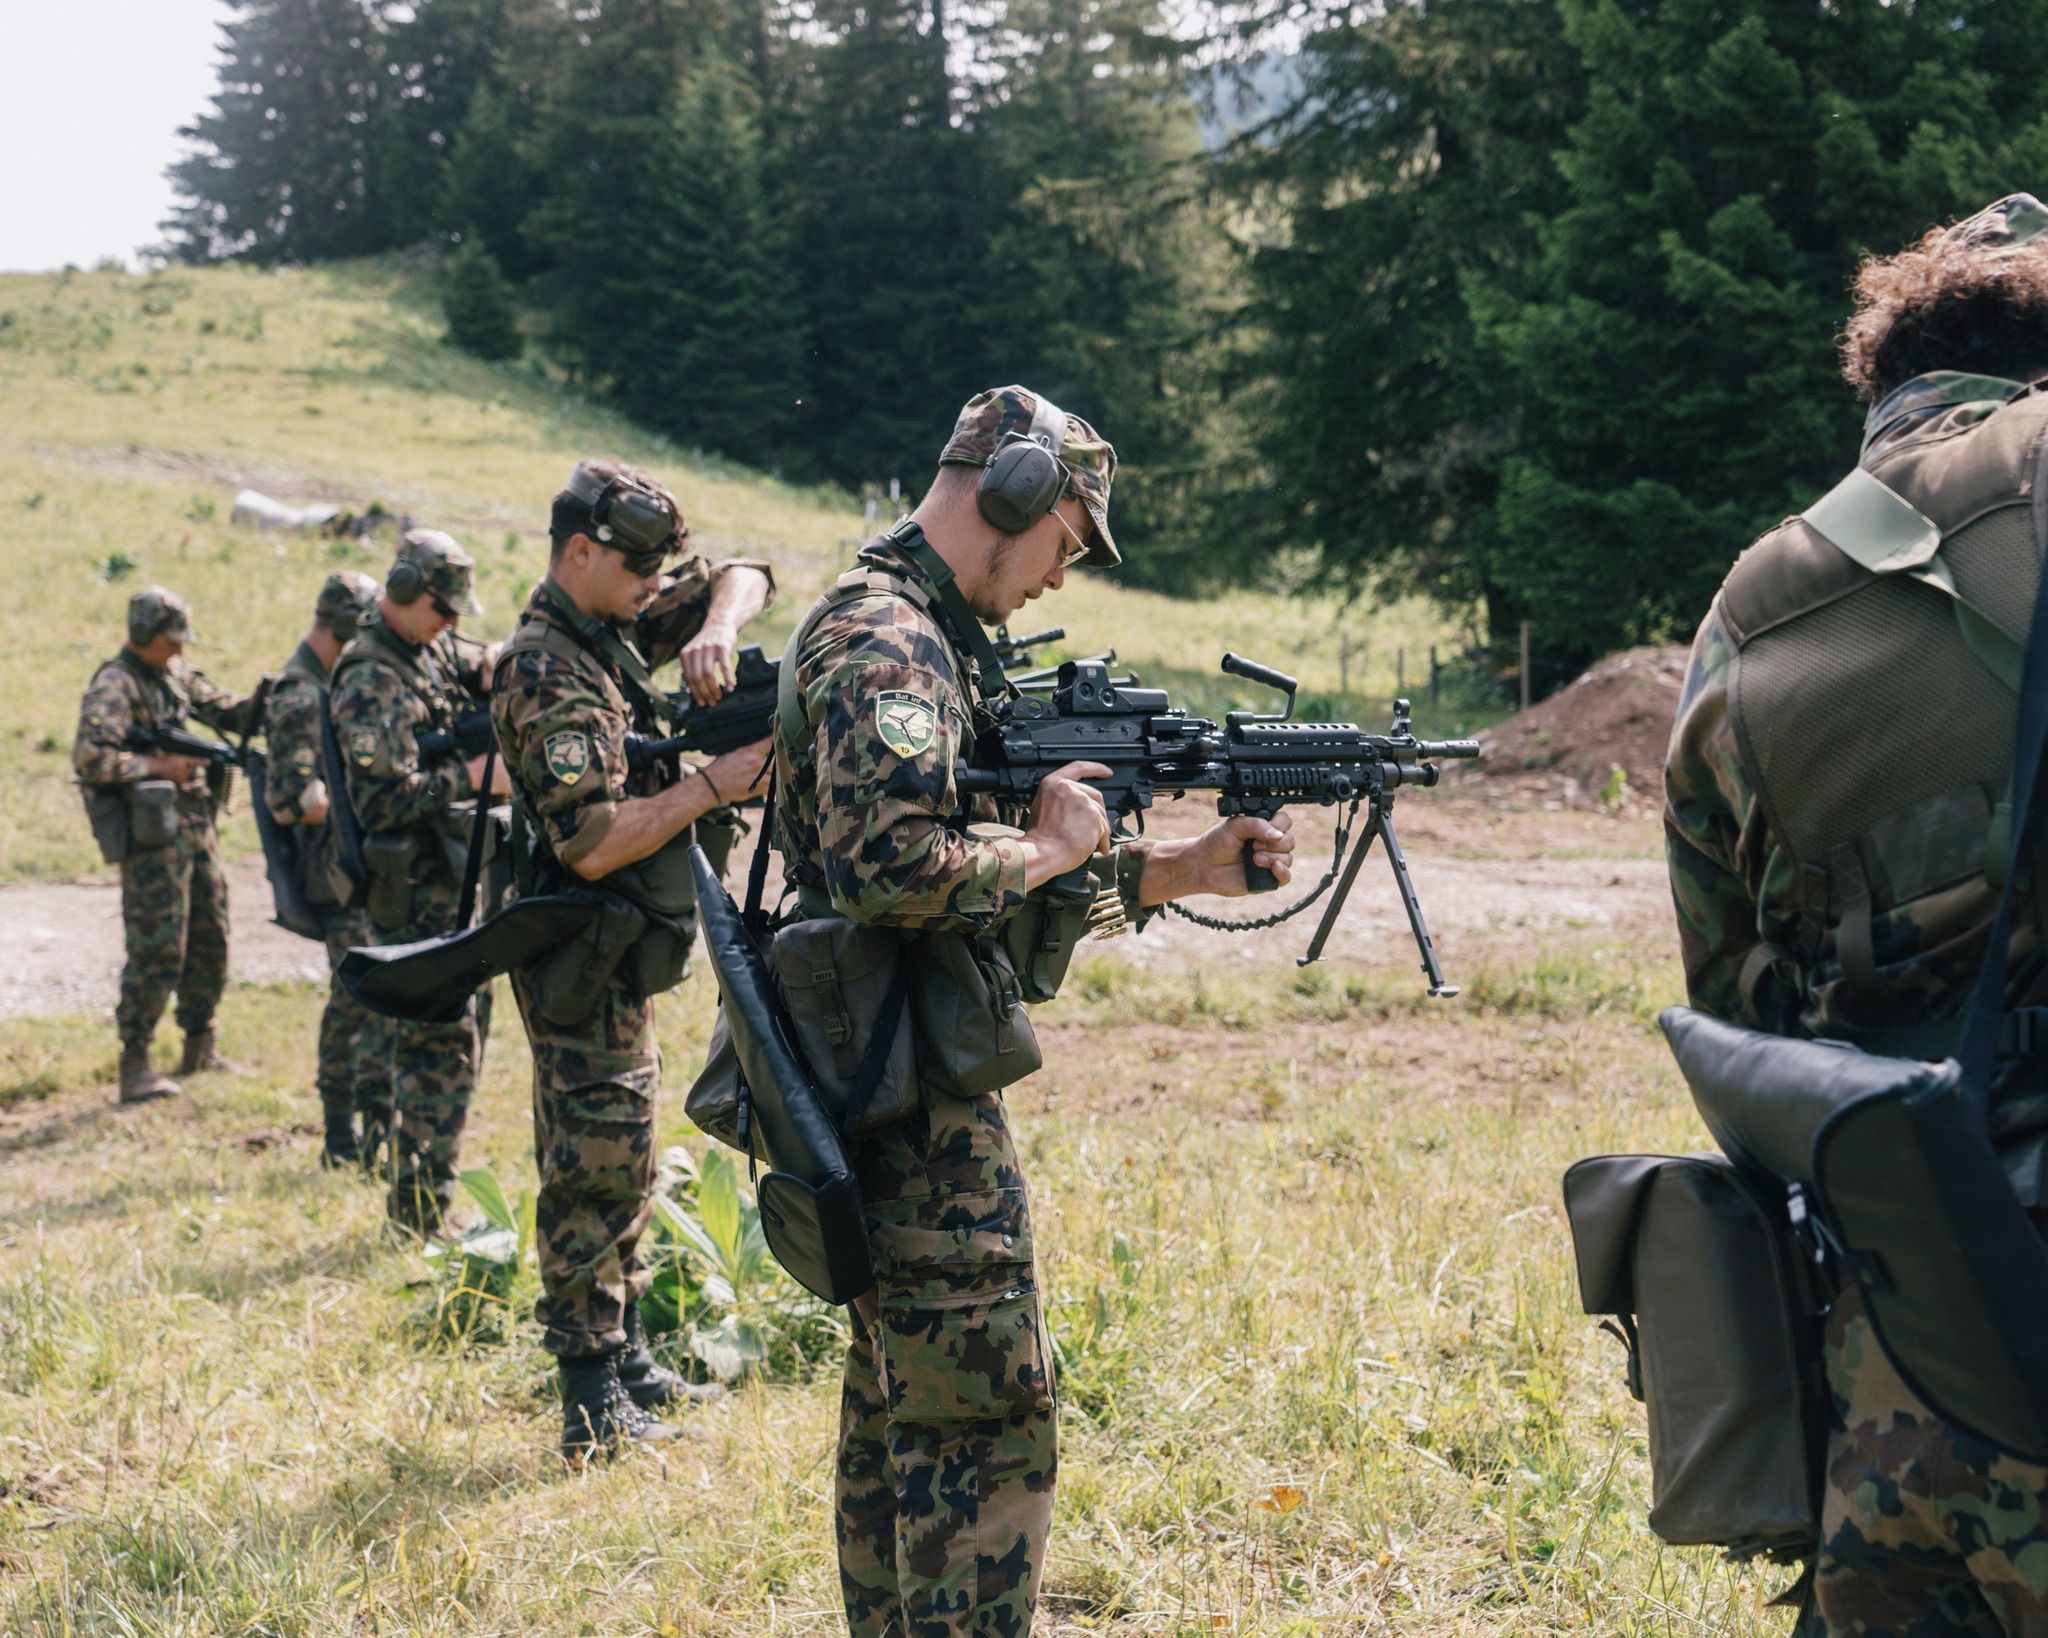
(1025, 475)
(622, 514)
(406, 580)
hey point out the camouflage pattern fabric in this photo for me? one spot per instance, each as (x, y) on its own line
(948, 1428)
(562, 713)
(353, 1069)
(174, 899)
(386, 692)
(1926, 1532)
(988, 418)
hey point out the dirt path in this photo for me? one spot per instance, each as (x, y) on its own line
(63, 942)
(1488, 880)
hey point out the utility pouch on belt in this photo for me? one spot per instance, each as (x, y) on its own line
(567, 984)
(152, 814)
(1040, 940)
(388, 856)
(106, 809)
(973, 1034)
(1692, 1257)
(843, 982)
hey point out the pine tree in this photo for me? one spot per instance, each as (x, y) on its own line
(1670, 351)
(281, 163)
(478, 304)
(732, 330)
(487, 187)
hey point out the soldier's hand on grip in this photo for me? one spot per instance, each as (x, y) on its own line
(1068, 824)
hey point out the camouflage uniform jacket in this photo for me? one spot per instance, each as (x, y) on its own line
(1763, 937)
(385, 693)
(866, 807)
(123, 694)
(562, 708)
(291, 733)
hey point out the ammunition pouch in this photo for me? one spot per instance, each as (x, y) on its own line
(1040, 940)
(388, 856)
(1694, 1259)
(1894, 1164)
(973, 1034)
(313, 855)
(844, 983)
(106, 810)
(566, 984)
(152, 814)
(713, 1101)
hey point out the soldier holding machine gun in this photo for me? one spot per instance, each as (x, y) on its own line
(152, 792)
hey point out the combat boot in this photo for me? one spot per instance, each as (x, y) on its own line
(340, 1148)
(597, 1412)
(140, 1083)
(650, 1383)
(203, 1056)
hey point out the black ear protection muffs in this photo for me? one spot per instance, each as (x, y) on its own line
(622, 514)
(1025, 476)
(405, 582)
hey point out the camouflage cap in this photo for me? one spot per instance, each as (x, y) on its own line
(155, 610)
(447, 571)
(2010, 223)
(344, 600)
(989, 417)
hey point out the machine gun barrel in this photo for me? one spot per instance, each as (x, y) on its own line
(1017, 650)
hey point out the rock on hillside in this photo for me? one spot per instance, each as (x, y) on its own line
(1562, 752)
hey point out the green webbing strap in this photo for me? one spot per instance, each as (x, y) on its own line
(990, 683)
(1874, 525)
(611, 646)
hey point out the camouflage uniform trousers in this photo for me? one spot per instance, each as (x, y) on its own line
(174, 912)
(593, 1140)
(948, 1417)
(434, 1071)
(1926, 1532)
(354, 1071)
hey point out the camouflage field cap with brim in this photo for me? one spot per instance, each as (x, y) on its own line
(448, 570)
(155, 610)
(2012, 222)
(989, 417)
(344, 600)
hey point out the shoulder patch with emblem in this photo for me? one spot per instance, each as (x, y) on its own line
(362, 746)
(302, 763)
(568, 755)
(906, 723)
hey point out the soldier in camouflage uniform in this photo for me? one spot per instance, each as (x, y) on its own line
(570, 684)
(947, 1421)
(354, 1070)
(1827, 886)
(174, 898)
(391, 684)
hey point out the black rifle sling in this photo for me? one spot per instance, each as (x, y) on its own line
(608, 644)
(472, 867)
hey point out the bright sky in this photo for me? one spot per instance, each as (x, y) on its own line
(90, 103)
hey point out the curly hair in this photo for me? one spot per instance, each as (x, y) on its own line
(1945, 305)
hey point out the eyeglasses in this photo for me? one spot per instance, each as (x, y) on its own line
(1070, 555)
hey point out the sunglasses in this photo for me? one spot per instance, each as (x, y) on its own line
(641, 564)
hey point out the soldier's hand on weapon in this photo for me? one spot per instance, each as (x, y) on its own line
(177, 769)
(1069, 824)
(501, 781)
(741, 775)
(708, 663)
(1214, 861)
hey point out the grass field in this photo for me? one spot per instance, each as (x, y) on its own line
(1323, 1369)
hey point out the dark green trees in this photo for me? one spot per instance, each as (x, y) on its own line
(478, 303)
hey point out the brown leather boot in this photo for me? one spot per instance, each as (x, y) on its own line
(203, 1056)
(140, 1083)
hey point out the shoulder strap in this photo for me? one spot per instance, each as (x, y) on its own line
(959, 618)
(1978, 1043)
(611, 646)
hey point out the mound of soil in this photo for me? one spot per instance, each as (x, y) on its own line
(1563, 752)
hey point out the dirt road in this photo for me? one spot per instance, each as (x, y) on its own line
(63, 942)
(1521, 879)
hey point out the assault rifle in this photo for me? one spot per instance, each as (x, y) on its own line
(738, 720)
(1256, 764)
(1012, 652)
(471, 736)
(177, 742)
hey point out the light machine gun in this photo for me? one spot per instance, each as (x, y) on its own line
(1256, 764)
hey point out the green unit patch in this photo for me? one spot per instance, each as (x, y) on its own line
(362, 746)
(302, 763)
(568, 755)
(906, 723)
